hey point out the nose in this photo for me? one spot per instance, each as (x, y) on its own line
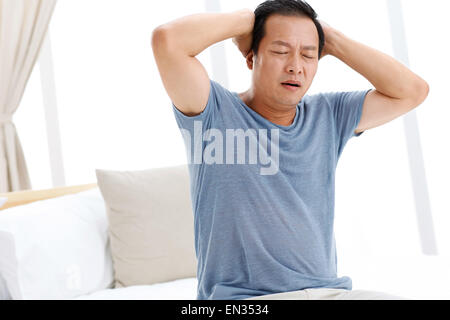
(295, 66)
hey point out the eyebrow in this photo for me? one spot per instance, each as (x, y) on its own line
(282, 43)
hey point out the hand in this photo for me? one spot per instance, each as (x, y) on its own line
(327, 30)
(244, 43)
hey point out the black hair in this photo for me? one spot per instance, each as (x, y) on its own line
(285, 8)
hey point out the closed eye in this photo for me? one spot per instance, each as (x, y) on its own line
(287, 52)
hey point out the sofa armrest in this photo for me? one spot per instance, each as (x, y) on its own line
(18, 198)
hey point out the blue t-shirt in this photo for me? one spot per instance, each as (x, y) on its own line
(263, 194)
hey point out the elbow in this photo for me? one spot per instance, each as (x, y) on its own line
(426, 90)
(159, 37)
(421, 92)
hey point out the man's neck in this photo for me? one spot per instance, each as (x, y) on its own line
(274, 115)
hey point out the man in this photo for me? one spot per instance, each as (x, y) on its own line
(264, 223)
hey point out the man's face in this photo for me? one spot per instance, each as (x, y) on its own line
(276, 63)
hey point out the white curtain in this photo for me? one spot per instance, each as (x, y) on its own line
(23, 25)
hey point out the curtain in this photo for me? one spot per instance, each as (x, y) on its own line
(23, 25)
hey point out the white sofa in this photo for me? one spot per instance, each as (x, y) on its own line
(59, 248)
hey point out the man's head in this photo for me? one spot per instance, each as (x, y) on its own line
(287, 41)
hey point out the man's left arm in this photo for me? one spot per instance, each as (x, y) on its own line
(397, 89)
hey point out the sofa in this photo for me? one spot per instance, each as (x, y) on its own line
(130, 235)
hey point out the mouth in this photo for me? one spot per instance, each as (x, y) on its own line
(291, 86)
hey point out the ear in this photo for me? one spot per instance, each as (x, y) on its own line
(249, 59)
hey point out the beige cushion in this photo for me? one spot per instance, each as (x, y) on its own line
(151, 224)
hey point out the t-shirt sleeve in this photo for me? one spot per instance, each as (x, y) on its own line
(346, 108)
(207, 115)
(192, 127)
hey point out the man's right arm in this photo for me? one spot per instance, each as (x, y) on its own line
(177, 43)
